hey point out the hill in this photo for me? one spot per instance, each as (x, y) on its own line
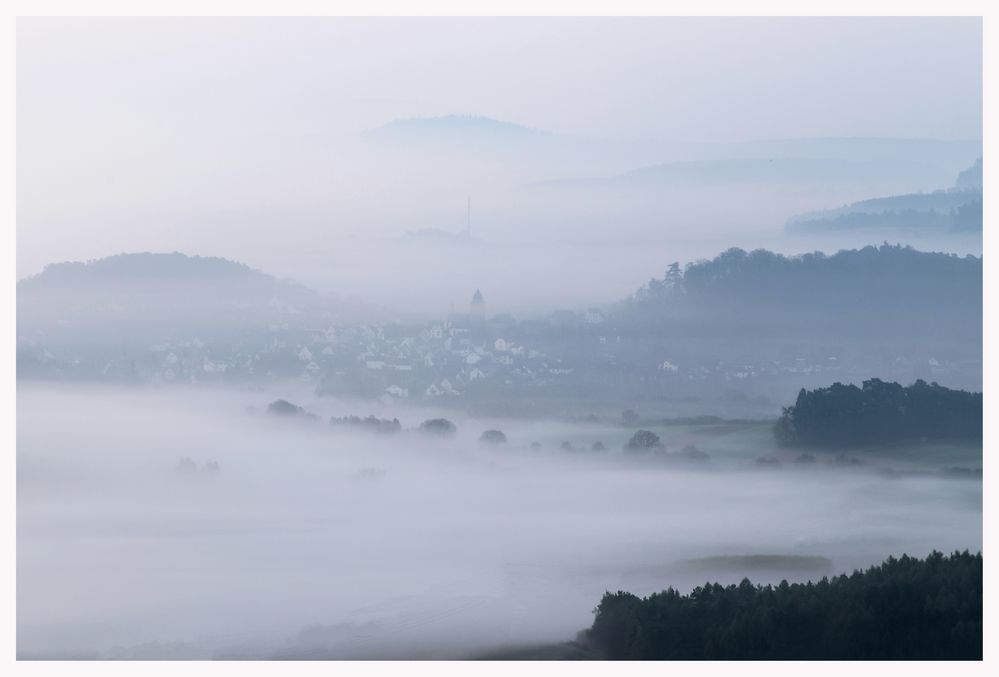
(129, 298)
(902, 609)
(874, 291)
(958, 208)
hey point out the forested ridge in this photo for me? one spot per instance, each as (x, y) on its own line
(902, 609)
(886, 271)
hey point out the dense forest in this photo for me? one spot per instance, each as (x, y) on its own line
(876, 273)
(883, 291)
(903, 609)
(879, 412)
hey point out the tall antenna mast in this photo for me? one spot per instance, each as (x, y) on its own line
(468, 219)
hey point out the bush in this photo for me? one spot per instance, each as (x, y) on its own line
(494, 437)
(284, 408)
(440, 427)
(643, 441)
(690, 454)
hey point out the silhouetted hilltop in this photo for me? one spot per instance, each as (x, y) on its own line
(154, 296)
(461, 135)
(971, 177)
(954, 209)
(143, 268)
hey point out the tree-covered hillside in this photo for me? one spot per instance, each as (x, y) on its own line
(874, 291)
(903, 609)
(955, 209)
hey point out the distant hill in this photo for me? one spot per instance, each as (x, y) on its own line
(958, 208)
(157, 295)
(461, 133)
(970, 178)
(143, 269)
(874, 291)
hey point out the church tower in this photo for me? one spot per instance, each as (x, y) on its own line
(478, 306)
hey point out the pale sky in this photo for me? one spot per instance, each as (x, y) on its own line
(676, 78)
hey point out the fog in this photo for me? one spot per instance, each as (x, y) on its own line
(312, 542)
(311, 148)
(566, 230)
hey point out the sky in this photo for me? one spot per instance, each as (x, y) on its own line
(675, 78)
(244, 137)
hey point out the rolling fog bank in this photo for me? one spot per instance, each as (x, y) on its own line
(282, 538)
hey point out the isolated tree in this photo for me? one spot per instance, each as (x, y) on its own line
(644, 441)
(690, 452)
(284, 408)
(492, 437)
(187, 467)
(441, 427)
(674, 278)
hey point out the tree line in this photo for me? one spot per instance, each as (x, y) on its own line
(887, 289)
(879, 412)
(902, 609)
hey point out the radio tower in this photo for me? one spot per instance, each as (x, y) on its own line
(468, 219)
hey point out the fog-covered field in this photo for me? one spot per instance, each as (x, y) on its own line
(309, 542)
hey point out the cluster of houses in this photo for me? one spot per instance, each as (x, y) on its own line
(453, 357)
(441, 359)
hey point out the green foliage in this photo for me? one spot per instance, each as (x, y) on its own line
(879, 413)
(903, 609)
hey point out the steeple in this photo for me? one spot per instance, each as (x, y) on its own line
(478, 308)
